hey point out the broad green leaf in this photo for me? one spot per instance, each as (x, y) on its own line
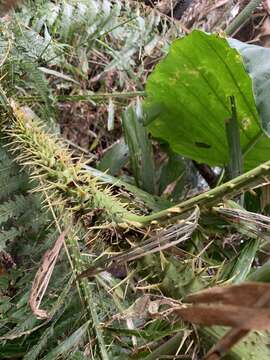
(188, 101)
(256, 59)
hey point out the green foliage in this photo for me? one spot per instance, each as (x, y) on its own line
(11, 180)
(21, 72)
(71, 30)
(69, 343)
(51, 52)
(35, 57)
(188, 101)
(20, 211)
(140, 149)
(25, 236)
(256, 64)
(48, 47)
(115, 158)
(173, 176)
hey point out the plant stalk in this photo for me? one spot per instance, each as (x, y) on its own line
(48, 158)
(207, 199)
(242, 17)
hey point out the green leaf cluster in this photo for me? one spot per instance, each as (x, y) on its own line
(188, 102)
(49, 50)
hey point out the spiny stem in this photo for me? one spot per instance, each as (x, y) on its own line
(54, 162)
(48, 160)
(229, 189)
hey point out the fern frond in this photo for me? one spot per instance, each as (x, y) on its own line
(40, 86)
(20, 211)
(7, 235)
(31, 45)
(72, 341)
(12, 185)
(14, 208)
(74, 189)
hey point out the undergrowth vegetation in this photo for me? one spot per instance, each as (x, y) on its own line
(107, 231)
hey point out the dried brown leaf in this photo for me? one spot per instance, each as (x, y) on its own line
(227, 315)
(245, 294)
(244, 307)
(43, 276)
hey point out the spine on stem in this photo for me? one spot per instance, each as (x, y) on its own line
(51, 163)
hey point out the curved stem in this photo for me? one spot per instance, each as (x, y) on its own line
(50, 160)
(229, 189)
